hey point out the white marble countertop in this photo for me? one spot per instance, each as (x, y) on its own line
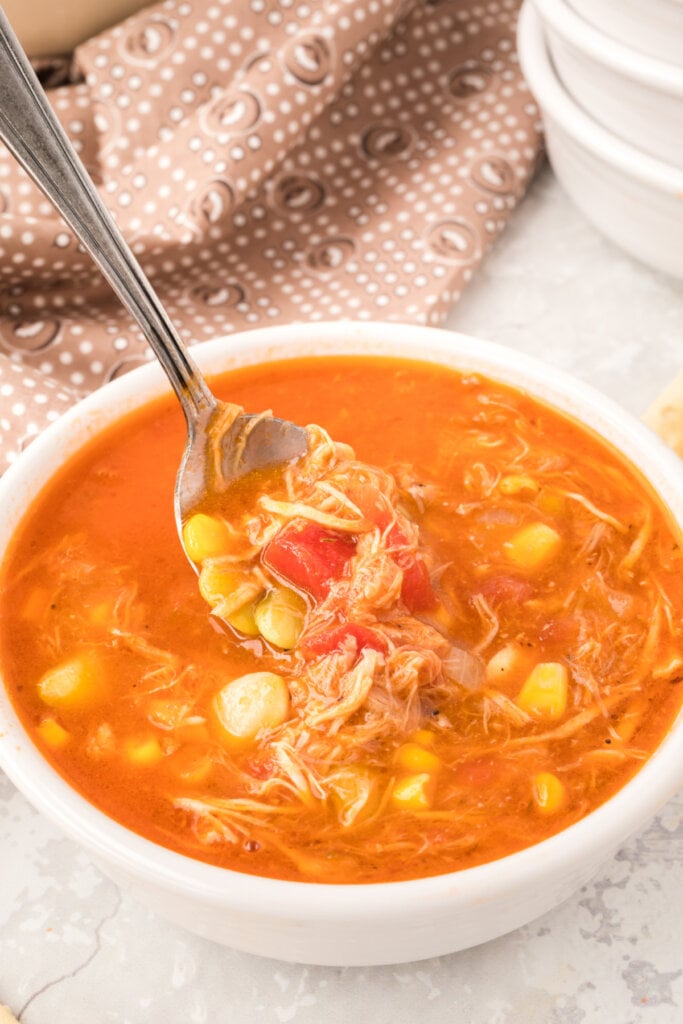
(74, 950)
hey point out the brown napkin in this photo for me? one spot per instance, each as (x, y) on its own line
(268, 160)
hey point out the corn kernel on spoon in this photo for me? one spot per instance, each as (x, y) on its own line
(220, 447)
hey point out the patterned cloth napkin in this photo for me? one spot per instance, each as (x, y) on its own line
(268, 160)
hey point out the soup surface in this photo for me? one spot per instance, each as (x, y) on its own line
(400, 671)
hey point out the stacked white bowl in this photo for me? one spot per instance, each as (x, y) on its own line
(608, 78)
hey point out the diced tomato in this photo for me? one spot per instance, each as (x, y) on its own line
(335, 639)
(499, 589)
(417, 592)
(309, 556)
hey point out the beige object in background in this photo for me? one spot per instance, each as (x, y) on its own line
(47, 27)
(665, 415)
(6, 1015)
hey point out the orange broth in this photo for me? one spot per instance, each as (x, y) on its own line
(96, 566)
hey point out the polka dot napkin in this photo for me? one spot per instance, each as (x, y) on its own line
(267, 160)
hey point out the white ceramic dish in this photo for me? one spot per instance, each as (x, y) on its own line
(637, 97)
(632, 198)
(654, 27)
(325, 924)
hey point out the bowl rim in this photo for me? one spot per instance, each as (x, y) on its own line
(555, 103)
(605, 50)
(590, 839)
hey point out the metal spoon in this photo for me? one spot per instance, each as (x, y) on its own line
(213, 456)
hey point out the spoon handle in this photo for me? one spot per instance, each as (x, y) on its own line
(31, 131)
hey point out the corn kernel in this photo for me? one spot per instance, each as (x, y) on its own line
(244, 706)
(548, 791)
(52, 733)
(533, 546)
(217, 582)
(206, 537)
(414, 792)
(425, 737)
(73, 684)
(544, 693)
(143, 751)
(414, 758)
(244, 620)
(280, 617)
(503, 663)
(517, 484)
(227, 590)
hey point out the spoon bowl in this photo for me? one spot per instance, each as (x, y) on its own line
(223, 446)
(223, 443)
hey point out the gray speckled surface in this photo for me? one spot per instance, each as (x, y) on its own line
(74, 950)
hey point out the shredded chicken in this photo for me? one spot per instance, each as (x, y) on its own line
(348, 700)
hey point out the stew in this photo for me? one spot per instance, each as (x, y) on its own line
(440, 638)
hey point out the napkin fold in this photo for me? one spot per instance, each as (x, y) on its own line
(267, 161)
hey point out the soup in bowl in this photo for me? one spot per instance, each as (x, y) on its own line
(426, 678)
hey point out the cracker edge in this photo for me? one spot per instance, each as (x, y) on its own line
(665, 415)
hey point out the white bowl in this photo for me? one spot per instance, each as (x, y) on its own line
(345, 924)
(631, 197)
(654, 27)
(637, 97)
